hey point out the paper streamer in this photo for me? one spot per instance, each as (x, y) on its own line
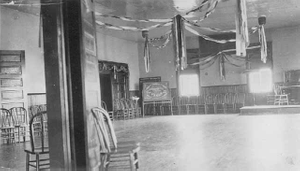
(206, 37)
(164, 43)
(222, 67)
(263, 43)
(211, 29)
(242, 37)
(146, 51)
(129, 28)
(133, 20)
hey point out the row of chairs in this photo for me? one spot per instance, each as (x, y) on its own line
(126, 109)
(113, 154)
(13, 124)
(209, 104)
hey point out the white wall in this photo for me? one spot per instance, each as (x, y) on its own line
(162, 63)
(20, 31)
(119, 50)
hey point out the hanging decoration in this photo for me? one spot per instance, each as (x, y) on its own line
(164, 44)
(134, 20)
(242, 37)
(146, 51)
(222, 67)
(179, 43)
(129, 28)
(211, 29)
(206, 37)
(262, 38)
(40, 30)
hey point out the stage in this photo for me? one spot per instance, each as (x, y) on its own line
(270, 109)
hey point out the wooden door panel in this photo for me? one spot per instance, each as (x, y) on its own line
(12, 91)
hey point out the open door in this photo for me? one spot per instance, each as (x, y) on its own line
(106, 90)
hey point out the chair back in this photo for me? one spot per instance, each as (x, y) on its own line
(104, 129)
(20, 115)
(38, 129)
(6, 119)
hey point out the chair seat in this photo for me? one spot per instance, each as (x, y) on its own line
(37, 151)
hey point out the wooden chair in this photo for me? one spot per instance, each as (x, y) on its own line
(39, 148)
(220, 103)
(281, 99)
(120, 110)
(115, 155)
(21, 122)
(7, 127)
(111, 113)
(230, 103)
(201, 104)
(239, 101)
(210, 104)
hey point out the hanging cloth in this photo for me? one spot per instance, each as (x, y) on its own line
(242, 35)
(146, 51)
(222, 67)
(179, 43)
(263, 43)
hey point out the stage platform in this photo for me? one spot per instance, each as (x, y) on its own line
(270, 109)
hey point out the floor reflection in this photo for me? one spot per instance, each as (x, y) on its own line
(202, 142)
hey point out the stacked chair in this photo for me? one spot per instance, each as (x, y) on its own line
(114, 155)
(8, 131)
(126, 109)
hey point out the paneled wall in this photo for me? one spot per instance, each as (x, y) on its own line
(36, 99)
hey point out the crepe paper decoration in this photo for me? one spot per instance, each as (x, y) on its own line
(146, 51)
(179, 43)
(164, 44)
(222, 67)
(206, 37)
(40, 30)
(133, 20)
(203, 3)
(211, 29)
(161, 37)
(209, 58)
(263, 44)
(242, 35)
(129, 28)
(211, 8)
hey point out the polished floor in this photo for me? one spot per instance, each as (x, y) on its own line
(203, 142)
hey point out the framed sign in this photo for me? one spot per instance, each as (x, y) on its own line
(156, 91)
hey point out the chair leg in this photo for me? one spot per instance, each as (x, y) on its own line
(27, 161)
(37, 162)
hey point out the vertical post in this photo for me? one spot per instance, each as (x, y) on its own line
(72, 83)
(57, 107)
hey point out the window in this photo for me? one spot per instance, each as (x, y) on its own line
(189, 85)
(261, 81)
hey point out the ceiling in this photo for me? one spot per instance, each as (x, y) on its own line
(279, 13)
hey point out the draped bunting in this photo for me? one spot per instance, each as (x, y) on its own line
(179, 43)
(164, 44)
(134, 20)
(129, 28)
(242, 37)
(263, 43)
(146, 51)
(222, 67)
(216, 30)
(206, 37)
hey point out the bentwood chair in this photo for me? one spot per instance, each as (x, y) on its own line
(114, 155)
(7, 127)
(21, 122)
(37, 154)
(111, 113)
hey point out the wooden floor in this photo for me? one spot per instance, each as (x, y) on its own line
(203, 142)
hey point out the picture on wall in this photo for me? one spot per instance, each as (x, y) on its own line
(156, 91)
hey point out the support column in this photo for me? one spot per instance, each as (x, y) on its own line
(72, 84)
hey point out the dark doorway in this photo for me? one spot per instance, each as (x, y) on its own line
(106, 93)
